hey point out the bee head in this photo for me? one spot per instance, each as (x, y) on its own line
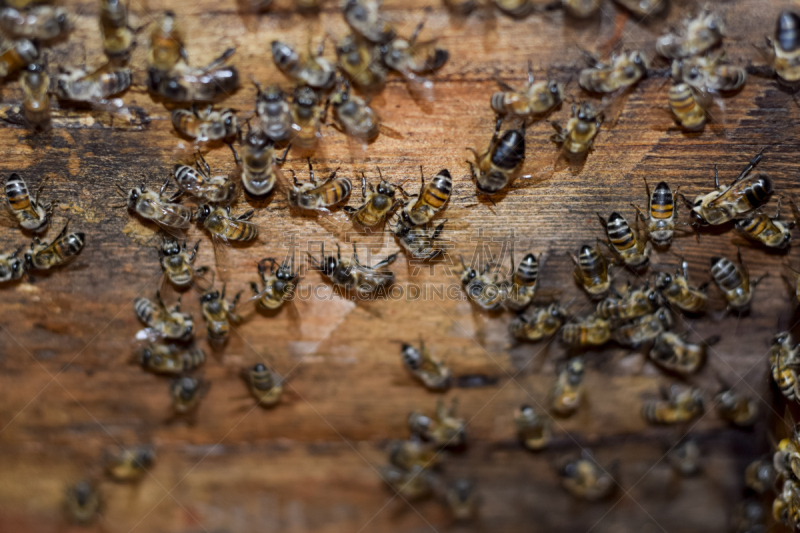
(145, 457)
(230, 122)
(209, 296)
(385, 188)
(173, 89)
(586, 112)
(569, 470)
(780, 338)
(468, 275)
(556, 89)
(256, 139)
(526, 409)
(329, 265)
(305, 96)
(62, 21)
(284, 55)
(83, 492)
(145, 356)
(203, 212)
(273, 94)
(259, 367)
(133, 197)
(170, 247)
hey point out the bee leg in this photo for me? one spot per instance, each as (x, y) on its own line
(355, 255)
(203, 161)
(363, 185)
(472, 167)
(294, 177)
(750, 166)
(388, 261)
(254, 287)
(350, 210)
(285, 153)
(247, 215)
(503, 85)
(497, 125)
(235, 154)
(236, 300)
(311, 171)
(194, 251)
(218, 62)
(415, 33)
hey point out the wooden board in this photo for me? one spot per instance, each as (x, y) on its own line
(68, 391)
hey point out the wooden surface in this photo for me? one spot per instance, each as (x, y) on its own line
(68, 391)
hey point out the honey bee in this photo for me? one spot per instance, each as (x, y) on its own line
(736, 408)
(431, 198)
(568, 390)
(186, 393)
(746, 193)
(786, 506)
(169, 323)
(709, 73)
(307, 114)
(202, 185)
(158, 208)
(311, 196)
(533, 429)
(685, 458)
(584, 479)
(351, 274)
(581, 9)
(274, 113)
(278, 287)
(688, 111)
(678, 292)
(205, 125)
(629, 245)
(413, 484)
(486, 291)
(462, 500)
(429, 371)
(31, 214)
(118, 36)
(769, 231)
(17, 55)
(361, 62)
(178, 263)
(537, 323)
(663, 213)
(219, 314)
(167, 47)
(265, 385)
(786, 59)
(632, 304)
(169, 358)
(591, 271)
(500, 163)
(219, 222)
(35, 99)
(522, 287)
(44, 23)
(678, 406)
(733, 281)
(784, 360)
(577, 138)
(537, 99)
(644, 8)
(44, 255)
(645, 328)
(674, 354)
(129, 464)
(760, 476)
(82, 502)
(698, 35)
(196, 84)
(623, 71)
(444, 430)
(410, 453)
(786, 452)
(365, 19)
(412, 58)
(259, 164)
(418, 241)
(11, 266)
(312, 69)
(354, 116)
(77, 85)
(377, 203)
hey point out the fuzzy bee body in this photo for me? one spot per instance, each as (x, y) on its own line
(784, 360)
(198, 182)
(709, 74)
(361, 62)
(35, 97)
(77, 85)
(220, 224)
(12, 267)
(444, 430)
(591, 271)
(585, 480)
(154, 206)
(681, 406)
(533, 430)
(186, 393)
(662, 214)
(632, 305)
(265, 385)
(365, 19)
(678, 292)
(520, 292)
(313, 71)
(687, 110)
(627, 244)
(218, 314)
(206, 125)
(733, 281)
(378, 203)
(274, 114)
(353, 115)
(418, 241)
(537, 323)
(195, 84)
(591, 331)
(769, 231)
(17, 56)
(581, 9)
(352, 275)
(645, 328)
(502, 161)
(623, 71)
(674, 354)
(786, 48)
(699, 34)
(82, 503)
(433, 374)
(306, 113)
(278, 287)
(118, 37)
(129, 464)
(577, 138)
(167, 48)
(45, 255)
(170, 359)
(37, 22)
(169, 323)
(177, 263)
(737, 408)
(320, 197)
(568, 390)
(31, 214)
(431, 199)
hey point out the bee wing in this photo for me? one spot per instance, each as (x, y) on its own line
(421, 88)
(169, 211)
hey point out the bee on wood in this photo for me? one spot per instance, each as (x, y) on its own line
(223, 226)
(219, 314)
(760, 476)
(77, 85)
(129, 464)
(35, 84)
(444, 430)
(537, 323)
(311, 196)
(645, 328)
(205, 125)
(629, 245)
(196, 84)
(365, 19)
(486, 291)
(378, 203)
(769, 231)
(678, 292)
(581, 9)
(568, 390)
(577, 138)
(584, 479)
(186, 393)
(678, 406)
(178, 263)
(169, 323)
(786, 506)
(169, 358)
(736, 408)
(412, 58)
(12, 266)
(274, 113)
(698, 35)
(118, 36)
(786, 453)
(786, 48)
(352, 275)
(307, 115)
(632, 304)
(82, 502)
(709, 73)
(733, 281)
(157, 207)
(623, 71)
(663, 214)
(533, 430)
(536, 100)
(644, 8)
(418, 241)
(311, 69)
(167, 47)
(522, 287)
(591, 271)
(353, 115)
(462, 500)
(431, 198)
(688, 111)
(784, 360)
(278, 287)
(411, 485)
(44, 255)
(44, 23)
(32, 214)
(500, 163)
(413, 452)
(199, 183)
(685, 458)
(264, 384)
(429, 371)
(673, 353)
(259, 164)
(360, 60)
(17, 55)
